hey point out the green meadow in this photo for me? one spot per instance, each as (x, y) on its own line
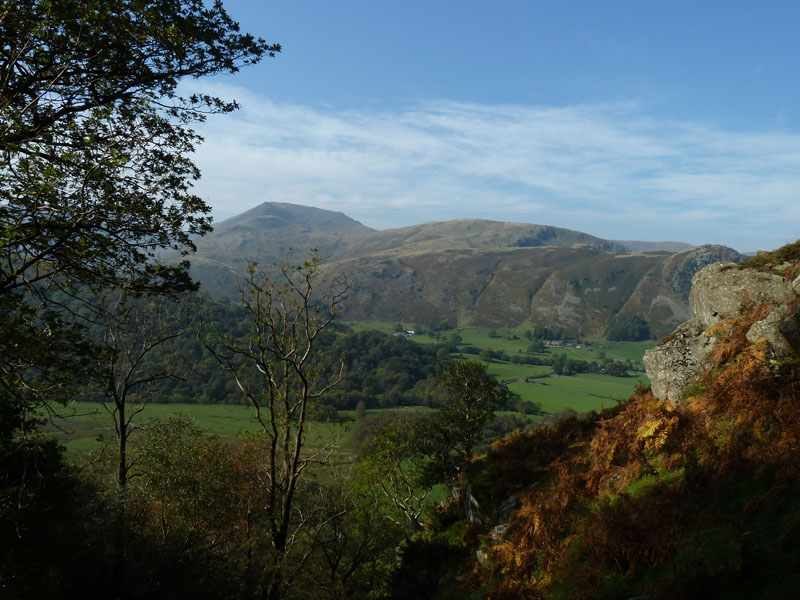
(582, 392)
(86, 426)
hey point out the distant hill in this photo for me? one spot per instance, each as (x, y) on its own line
(265, 233)
(637, 246)
(466, 271)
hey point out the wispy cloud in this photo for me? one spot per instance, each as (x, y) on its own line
(607, 169)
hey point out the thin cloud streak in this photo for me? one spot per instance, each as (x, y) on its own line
(607, 169)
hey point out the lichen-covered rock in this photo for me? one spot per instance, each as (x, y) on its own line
(673, 365)
(790, 329)
(719, 290)
(772, 328)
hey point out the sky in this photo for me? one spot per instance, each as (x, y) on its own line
(636, 120)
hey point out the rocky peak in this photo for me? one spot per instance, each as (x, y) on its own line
(720, 292)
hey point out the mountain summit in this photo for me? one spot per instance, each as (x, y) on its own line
(465, 271)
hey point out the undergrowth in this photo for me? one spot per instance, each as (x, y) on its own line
(656, 499)
(767, 261)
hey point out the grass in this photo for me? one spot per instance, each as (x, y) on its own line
(626, 350)
(371, 326)
(582, 392)
(504, 371)
(85, 426)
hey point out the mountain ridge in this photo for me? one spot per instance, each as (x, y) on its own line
(465, 271)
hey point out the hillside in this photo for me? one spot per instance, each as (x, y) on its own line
(263, 234)
(466, 271)
(689, 490)
(638, 246)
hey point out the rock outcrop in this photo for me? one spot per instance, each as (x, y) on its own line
(720, 292)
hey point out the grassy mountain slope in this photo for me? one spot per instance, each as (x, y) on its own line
(460, 234)
(637, 246)
(264, 233)
(464, 272)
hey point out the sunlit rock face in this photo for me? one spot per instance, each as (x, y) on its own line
(719, 293)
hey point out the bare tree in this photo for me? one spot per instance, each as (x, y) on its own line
(127, 371)
(280, 373)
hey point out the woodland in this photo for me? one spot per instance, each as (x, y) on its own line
(433, 499)
(97, 177)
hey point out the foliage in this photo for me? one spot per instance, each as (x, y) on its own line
(44, 520)
(281, 377)
(408, 457)
(383, 370)
(393, 461)
(469, 400)
(767, 261)
(132, 330)
(95, 165)
(653, 499)
(95, 138)
(95, 146)
(628, 327)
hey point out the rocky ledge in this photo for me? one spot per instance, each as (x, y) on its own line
(720, 292)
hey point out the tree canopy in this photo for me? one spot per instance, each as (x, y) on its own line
(95, 181)
(95, 140)
(95, 166)
(629, 328)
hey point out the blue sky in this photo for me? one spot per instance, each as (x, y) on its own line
(627, 120)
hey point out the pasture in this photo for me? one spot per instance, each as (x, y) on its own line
(85, 426)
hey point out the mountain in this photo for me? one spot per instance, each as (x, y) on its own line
(636, 246)
(465, 271)
(265, 233)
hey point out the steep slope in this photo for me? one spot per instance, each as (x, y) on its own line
(579, 289)
(661, 295)
(690, 490)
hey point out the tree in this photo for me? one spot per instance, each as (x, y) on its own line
(470, 397)
(628, 327)
(95, 176)
(280, 373)
(95, 143)
(354, 541)
(133, 329)
(397, 462)
(407, 458)
(187, 509)
(126, 375)
(95, 138)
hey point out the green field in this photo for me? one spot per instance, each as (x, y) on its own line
(480, 338)
(581, 392)
(85, 426)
